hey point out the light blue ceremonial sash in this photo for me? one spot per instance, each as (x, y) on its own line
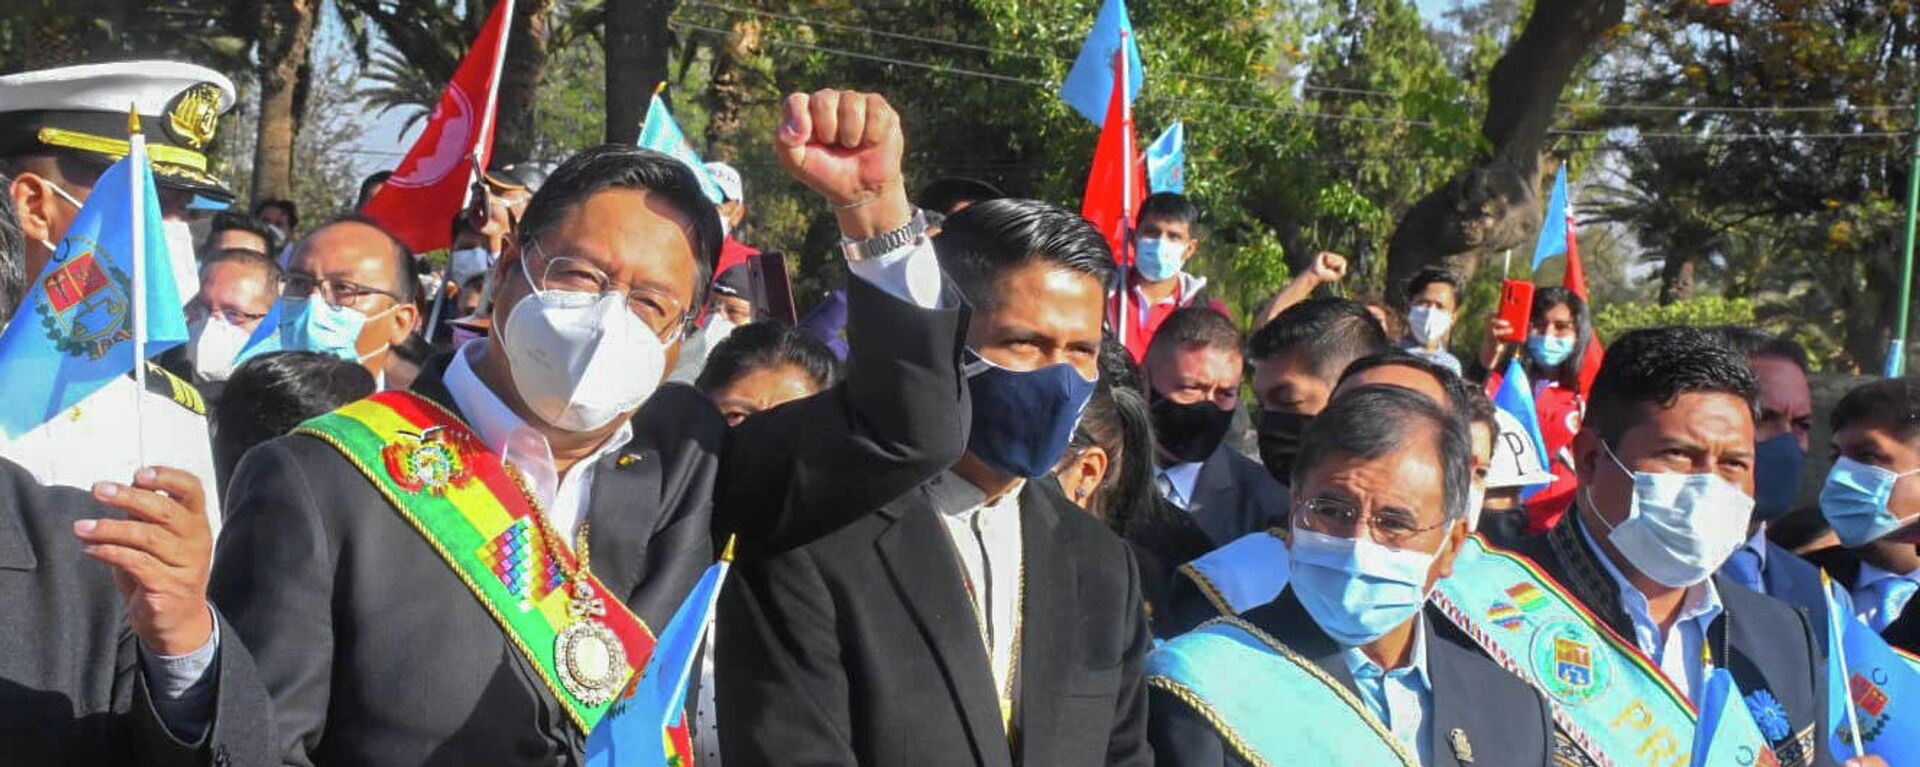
(1247, 573)
(1271, 706)
(1613, 702)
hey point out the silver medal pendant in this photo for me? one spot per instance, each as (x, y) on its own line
(588, 656)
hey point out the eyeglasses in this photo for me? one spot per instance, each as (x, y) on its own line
(232, 316)
(338, 292)
(656, 308)
(1392, 528)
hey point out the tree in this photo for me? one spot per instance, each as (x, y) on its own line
(637, 44)
(283, 31)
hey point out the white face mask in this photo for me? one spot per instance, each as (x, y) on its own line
(213, 343)
(1680, 527)
(579, 360)
(1429, 325)
(1476, 500)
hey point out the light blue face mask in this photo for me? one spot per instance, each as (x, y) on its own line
(317, 326)
(1549, 350)
(1156, 259)
(1854, 501)
(1355, 589)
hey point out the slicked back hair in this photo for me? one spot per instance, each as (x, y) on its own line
(1651, 368)
(1374, 421)
(617, 166)
(1194, 327)
(989, 240)
(1329, 332)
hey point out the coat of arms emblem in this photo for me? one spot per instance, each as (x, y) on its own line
(88, 305)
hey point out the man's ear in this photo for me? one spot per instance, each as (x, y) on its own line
(34, 203)
(406, 317)
(1587, 450)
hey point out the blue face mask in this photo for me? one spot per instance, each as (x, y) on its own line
(317, 326)
(1854, 501)
(1776, 476)
(1355, 589)
(1022, 421)
(1549, 350)
(1156, 259)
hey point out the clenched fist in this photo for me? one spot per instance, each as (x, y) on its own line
(847, 146)
(160, 555)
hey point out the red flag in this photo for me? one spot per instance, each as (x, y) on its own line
(430, 187)
(1115, 186)
(1576, 282)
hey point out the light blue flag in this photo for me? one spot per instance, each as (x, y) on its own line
(73, 333)
(1515, 398)
(1553, 225)
(1872, 689)
(1167, 160)
(1089, 83)
(662, 134)
(1729, 734)
(634, 731)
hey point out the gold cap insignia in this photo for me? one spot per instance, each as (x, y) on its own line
(194, 117)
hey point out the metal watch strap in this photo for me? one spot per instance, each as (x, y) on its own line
(885, 242)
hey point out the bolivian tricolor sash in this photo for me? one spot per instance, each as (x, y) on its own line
(464, 501)
(1607, 696)
(1269, 705)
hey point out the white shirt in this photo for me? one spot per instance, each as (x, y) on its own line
(1176, 482)
(986, 537)
(563, 498)
(1678, 652)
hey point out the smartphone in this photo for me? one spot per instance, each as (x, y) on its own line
(772, 288)
(1516, 307)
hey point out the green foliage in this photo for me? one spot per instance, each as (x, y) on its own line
(1705, 311)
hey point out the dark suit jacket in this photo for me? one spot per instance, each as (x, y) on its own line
(1765, 643)
(73, 690)
(1234, 495)
(1505, 721)
(374, 650)
(862, 648)
(1904, 631)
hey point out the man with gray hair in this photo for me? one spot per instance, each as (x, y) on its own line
(1380, 500)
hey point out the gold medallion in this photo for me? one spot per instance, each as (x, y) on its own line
(588, 655)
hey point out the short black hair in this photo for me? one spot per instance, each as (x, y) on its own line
(1889, 403)
(1373, 421)
(1194, 326)
(13, 256)
(1329, 332)
(245, 258)
(270, 394)
(292, 211)
(1544, 299)
(406, 281)
(943, 195)
(233, 220)
(1755, 342)
(1116, 365)
(366, 187)
(1171, 206)
(991, 239)
(1457, 388)
(1429, 276)
(762, 345)
(620, 166)
(1654, 366)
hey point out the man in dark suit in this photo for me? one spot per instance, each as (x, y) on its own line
(109, 653)
(1384, 469)
(377, 651)
(1192, 373)
(981, 619)
(1873, 503)
(1665, 462)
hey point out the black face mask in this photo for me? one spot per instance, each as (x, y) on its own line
(1189, 433)
(1280, 442)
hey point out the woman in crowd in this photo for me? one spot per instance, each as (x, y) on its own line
(1561, 328)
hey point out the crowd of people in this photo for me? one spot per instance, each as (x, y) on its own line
(1000, 499)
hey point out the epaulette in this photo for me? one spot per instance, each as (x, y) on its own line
(183, 393)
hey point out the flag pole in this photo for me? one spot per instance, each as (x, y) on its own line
(136, 162)
(1897, 352)
(1840, 656)
(1125, 256)
(476, 169)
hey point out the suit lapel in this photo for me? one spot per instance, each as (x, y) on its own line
(1210, 504)
(920, 560)
(623, 506)
(1452, 698)
(1048, 622)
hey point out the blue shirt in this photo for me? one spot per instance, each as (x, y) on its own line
(1402, 699)
(1678, 652)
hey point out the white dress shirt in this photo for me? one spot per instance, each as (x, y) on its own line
(1678, 652)
(563, 498)
(986, 537)
(1176, 482)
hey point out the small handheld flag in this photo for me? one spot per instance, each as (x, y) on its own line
(1553, 224)
(1873, 691)
(1513, 403)
(1092, 75)
(662, 134)
(1728, 734)
(1167, 160)
(105, 300)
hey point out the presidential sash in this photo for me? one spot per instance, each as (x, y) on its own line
(1246, 573)
(476, 513)
(1271, 706)
(1608, 697)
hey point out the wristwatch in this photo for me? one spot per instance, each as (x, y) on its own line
(885, 242)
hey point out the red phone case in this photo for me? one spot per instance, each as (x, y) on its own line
(1516, 304)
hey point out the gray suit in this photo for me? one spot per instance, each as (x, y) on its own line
(1235, 495)
(72, 687)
